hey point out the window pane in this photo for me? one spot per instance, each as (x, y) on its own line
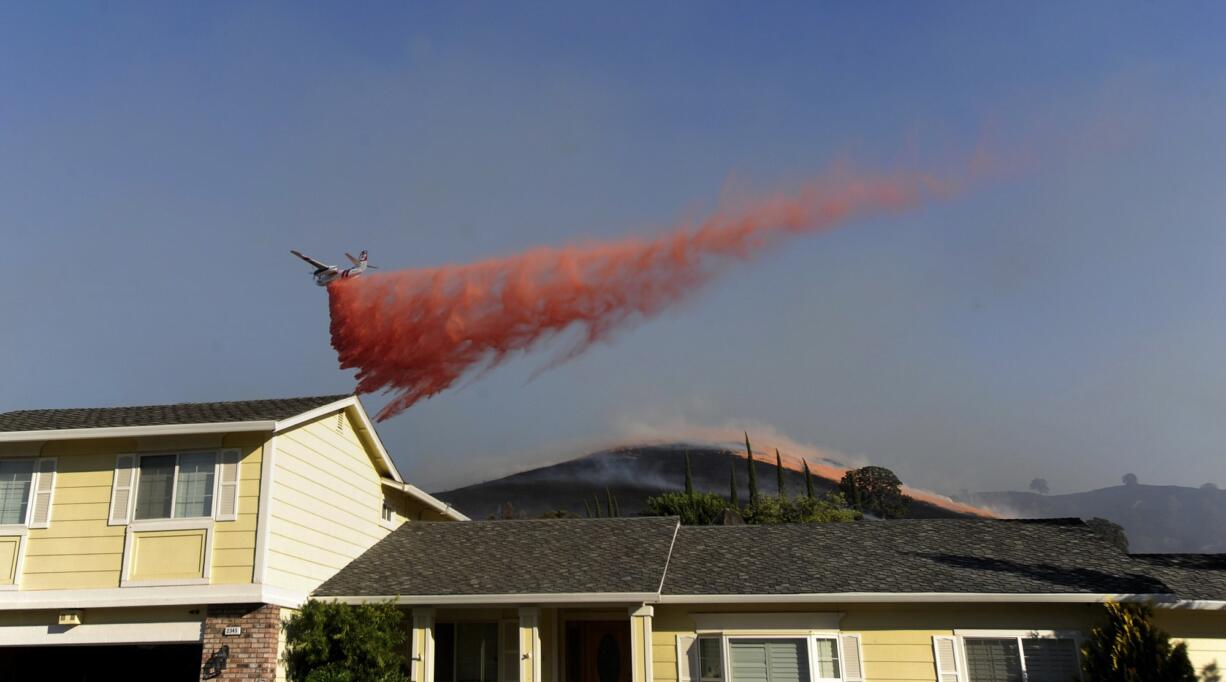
(993, 660)
(710, 661)
(194, 496)
(15, 478)
(769, 660)
(1050, 660)
(154, 489)
(476, 647)
(828, 659)
(444, 652)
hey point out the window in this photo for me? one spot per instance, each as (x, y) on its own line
(175, 486)
(1021, 659)
(710, 659)
(466, 652)
(812, 658)
(388, 514)
(769, 660)
(16, 482)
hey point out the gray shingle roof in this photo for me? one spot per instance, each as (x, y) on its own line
(991, 556)
(1191, 576)
(918, 555)
(157, 415)
(542, 556)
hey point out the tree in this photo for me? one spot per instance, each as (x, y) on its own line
(1209, 486)
(1130, 648)
(689, 475)
(612, 502)
(808, 481)
(830, 509)
(1039, 485)
(697, 509)
(1129, 479)
(734, 495)
(875, 490)
(779, 474)
(1110, 531)
(753, 471)
(334, 642)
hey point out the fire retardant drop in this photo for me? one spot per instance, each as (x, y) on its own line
(416, 332)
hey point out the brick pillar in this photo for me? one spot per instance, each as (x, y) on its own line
(253, 652)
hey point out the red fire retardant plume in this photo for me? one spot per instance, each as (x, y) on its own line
(415, 333)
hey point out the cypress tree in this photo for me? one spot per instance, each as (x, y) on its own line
(587, 509)
(610, 502)
(689, 475)
(734, 495)
(779, 473)
(617, 508)
(753, 472)
(596, 500)
(808, 480)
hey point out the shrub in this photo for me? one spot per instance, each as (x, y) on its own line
(698, 509)
(1130, 648)
(827, 509)
(334, 642)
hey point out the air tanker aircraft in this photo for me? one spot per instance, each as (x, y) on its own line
(326, 273)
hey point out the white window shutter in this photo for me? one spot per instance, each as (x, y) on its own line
(44, 485)
(946, 654)
(687, 657)
(853, 665)
(122, 489)
(227, 485)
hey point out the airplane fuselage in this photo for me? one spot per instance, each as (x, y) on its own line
(324, 277)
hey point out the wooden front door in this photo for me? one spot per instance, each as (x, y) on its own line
(598, 651)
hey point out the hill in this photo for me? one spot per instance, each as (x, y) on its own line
(1157, 518)
(632, 474)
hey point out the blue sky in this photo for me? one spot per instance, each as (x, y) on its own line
(1066, 320)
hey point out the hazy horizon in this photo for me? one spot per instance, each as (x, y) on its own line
(1064, 318)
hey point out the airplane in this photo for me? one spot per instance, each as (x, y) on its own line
(325, 273)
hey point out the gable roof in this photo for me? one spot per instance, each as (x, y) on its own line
(904, 560)
(1191, 576)
(162, 415)
(624, 557)
(1044, 556)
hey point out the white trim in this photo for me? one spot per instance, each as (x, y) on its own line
(481, 599)
(1160, 600)
(263, 516)
(314, 413)
(110, 508)
(143, 595)
(429, 500)
(826, 622)
(19, 561)
(1018, 632)
(35, 484)
(156, 525)
(101, 633)
(134, 431)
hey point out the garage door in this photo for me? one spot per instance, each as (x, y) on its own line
(170, 662)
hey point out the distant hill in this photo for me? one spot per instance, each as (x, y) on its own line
(632, 474)
(1157, 518)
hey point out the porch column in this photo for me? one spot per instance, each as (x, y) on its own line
(640, 643)
(530, 644)
(421, 654)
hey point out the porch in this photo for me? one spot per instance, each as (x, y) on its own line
(531, 643)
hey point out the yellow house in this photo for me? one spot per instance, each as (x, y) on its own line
(170, 538)
(649, 600)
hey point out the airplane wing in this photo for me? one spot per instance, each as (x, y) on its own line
(351, 258)
(312, 261)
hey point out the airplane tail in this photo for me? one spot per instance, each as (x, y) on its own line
(361, 262)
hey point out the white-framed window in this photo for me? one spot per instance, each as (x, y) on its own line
(1031, 657)
(26, 486)
(179, 485)
(799, 658)
(476, 651)
(16, 487)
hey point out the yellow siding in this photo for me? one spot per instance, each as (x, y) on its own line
(80, 551)
(327, 501)
(9, 547)
(168, 554)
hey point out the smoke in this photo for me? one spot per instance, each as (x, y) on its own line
(415, 333)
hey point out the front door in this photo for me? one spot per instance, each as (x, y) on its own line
(598, 651)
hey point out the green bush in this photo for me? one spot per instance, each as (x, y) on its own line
(699, 509)
(1130, 648)
(333, 642)
(769, 510)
